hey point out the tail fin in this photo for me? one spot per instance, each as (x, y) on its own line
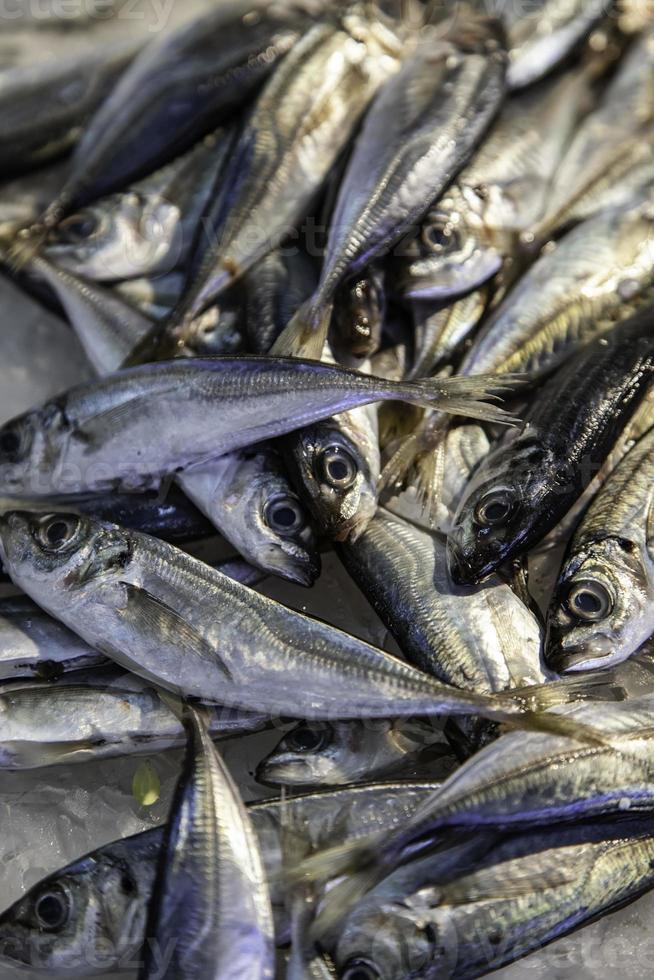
(464, 396)
(306, 334)
(418, 462)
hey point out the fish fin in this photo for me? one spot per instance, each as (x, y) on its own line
(157, 618)
(495, 882)
(465, 396)
(409, 464)
(305, 335)
(34, 756)
(341, 897)
(173, 702)
(548, 723)
(588, 686)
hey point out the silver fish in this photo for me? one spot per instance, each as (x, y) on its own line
(420, 131)
(97, 716)
(526, 892)
(156, 297)
(602, 608)
(440, 331)
(100, 435)
(147, 229)
(340, 752)
(172, 619)
(299, 125)
(481, 640)
(610, 157)
(210, 904)
(597, 275)
(474, 229)
(101, 899)
(247, 496)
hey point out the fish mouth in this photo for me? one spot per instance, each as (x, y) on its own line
(563, 661)
(462, 570)
(276, 774)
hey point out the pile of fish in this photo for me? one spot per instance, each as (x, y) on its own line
(370, 278)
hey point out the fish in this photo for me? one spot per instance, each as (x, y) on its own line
(147, 229)
(184, 84)
(610, 156)
(527, 892)
(99, 436)
(601, 610)
(248, 497)
(210, 904)
(441, 330)
(156, 297)
(195, 632)
(524, 488)
(301, 122)
(474, 230)
(274, 289)
(337, 753)
(23, 198)
(44, 107)
(358, 317)
(336, 464)
(419, 132)
(478, 639)
(102, 898)
(596, 276)
(97, 715)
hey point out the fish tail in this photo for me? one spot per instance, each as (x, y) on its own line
(306, 333)
(418, 461)
(562, 726)
(464, 396)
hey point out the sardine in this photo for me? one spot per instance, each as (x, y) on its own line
(420, 131)
(210, 905)
(105, 714)
(358, 318)
(43, 108)
(100, 435)
(341, 752)
(527, 892)
(299, 125)
(481, 640)
(610, 157)
(596, 276)
(102, 898)
(147, 229)
(182, 85)
(603, 606)
(172, 619)
(525, 487)
(474, 229)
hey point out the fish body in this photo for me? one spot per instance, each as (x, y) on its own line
(601, 611)
(596, 276)
(104, 896)
(274, 289)
(298, 127)
(210, 904)
(174, 620)
(441, 330)
(182, 85)
(482, 640)
(100, 436)
(419, 132)
(527, 892)
(341, 752)
(43, 108)
(525, 487)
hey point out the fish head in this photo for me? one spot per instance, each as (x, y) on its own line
(359, 310)
(29, 449)
(328, 753)
(338, 473)
(81, 920)
(498, 513)
(270, 522)
(217, 331)
(61, 554)
(130, 235)
(386, 940)
(454, 251)
(601, 610)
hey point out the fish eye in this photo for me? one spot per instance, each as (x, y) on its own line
(439, 236)
(52, 909)
(360, 970)
(79, 226)
(309, 738)
(338, 468)
(494, 508)
(55, 534)
(10, 443)
(589, 601)
(284, 515)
